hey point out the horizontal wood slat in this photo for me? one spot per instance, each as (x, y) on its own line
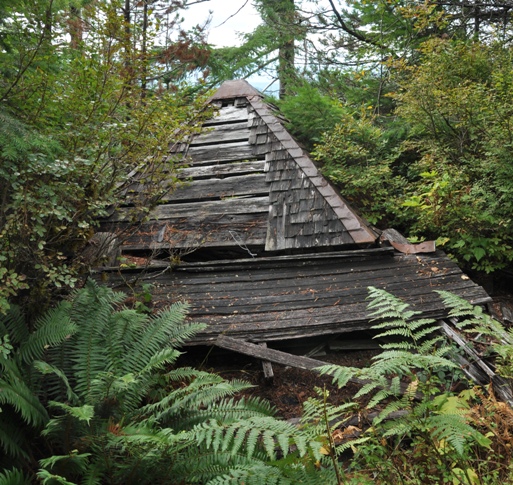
(201, 210)
(298, 299)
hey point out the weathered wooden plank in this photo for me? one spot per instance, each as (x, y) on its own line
(318, 289)
(279, 357)
(222, 152)
(304, 283)
(201, 210)
(303, 301)
(210, 303)
(228, 114)
(222, 133)
(219, 239)
(226, 169)
(334, 317)
(501, 386)
(267, 366)
(251, 184)
(196, 231)
(306, 276)
(322, 296)
(271, 355)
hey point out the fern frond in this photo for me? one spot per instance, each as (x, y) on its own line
(384, 393)
(279, 473)
(434, 345)
(14, 477)
(12, 440)
(159, 359)
(20, 397)
(318, 415)
(240, 472)
(91, 311)
(51, 329)
(203, 390)
(459, 307)
(13, 324)
(453, 429)
(47, 478)
(45, 368)
(263, 431)
(341, 375)
(227, 410)
(123, 330)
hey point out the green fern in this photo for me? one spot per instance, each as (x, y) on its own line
(14, 477)
(481, 325)
(118, 358)
(21, 389)
(404, 378)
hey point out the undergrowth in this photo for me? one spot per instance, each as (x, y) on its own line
(91, 395)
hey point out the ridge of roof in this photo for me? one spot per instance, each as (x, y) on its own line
(238, 88)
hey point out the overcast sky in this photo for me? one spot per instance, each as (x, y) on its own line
(229, 20)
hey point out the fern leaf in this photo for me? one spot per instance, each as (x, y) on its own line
(13, 324)
(341, 375)
(14, 477)
(12, 440)
(45, 368)
(52, 328)
(17, 394)
(82, 413)
(452, 428)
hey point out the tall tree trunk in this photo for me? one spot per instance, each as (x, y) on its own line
(76, 26)
(286, 67)
(280, 16)
(144, 68)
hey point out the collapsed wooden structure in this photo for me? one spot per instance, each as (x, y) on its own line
(261, 245)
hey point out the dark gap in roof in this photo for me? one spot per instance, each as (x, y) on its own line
(192, 178)
(215, 122)
(213, 199)
(220, 142)
(196, 255)
(224, 161)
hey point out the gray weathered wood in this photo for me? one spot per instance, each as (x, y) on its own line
(244, 185)
(278, 357)
(220, 169)
(267, 366)
(201, 210)
(228, 151)
(501, 387)
(229, 114)
(222, 133)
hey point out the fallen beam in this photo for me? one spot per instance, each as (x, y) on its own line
(274, 356)
(264, 353)
(477, 369)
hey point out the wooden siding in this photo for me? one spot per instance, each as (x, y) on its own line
(282, 298)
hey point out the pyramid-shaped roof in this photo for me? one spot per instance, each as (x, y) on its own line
(248, 183)
(248, 187)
